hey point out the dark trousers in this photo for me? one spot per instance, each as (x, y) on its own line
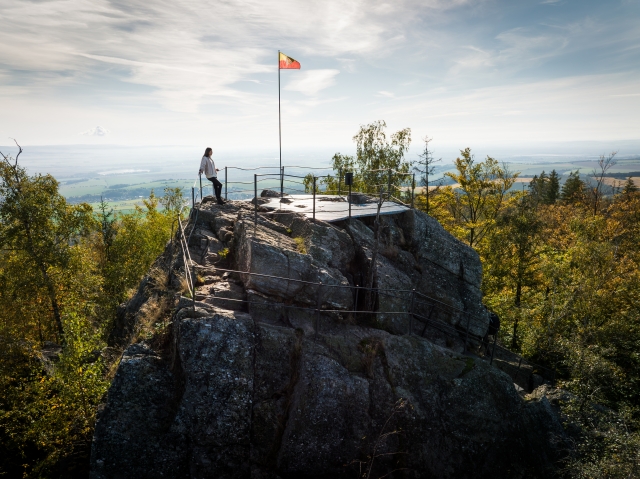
(217, 187)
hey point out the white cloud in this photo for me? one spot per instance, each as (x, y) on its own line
(310, 82)
(97, 131)
(188, 69)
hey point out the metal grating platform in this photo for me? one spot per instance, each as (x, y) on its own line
(331, 208)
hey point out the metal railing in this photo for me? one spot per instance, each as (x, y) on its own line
(384, 195)
(420, 310)
(422, 307)
(282, 179)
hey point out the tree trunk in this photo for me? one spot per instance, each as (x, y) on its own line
(514, 339)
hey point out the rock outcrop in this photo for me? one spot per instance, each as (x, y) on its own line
(266, 378)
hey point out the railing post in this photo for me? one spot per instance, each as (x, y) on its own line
(339, 181)
(413, 297)
(318, 306)
(282, 182)
(389, 186)
(193, 288)
(413, 189)
(349, 201)
(225, 182)
(314, 199)
(200, 187)
(193, 197)
(255, 199)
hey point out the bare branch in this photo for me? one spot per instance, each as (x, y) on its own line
(19, 151)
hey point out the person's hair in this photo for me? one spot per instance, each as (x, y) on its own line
(207, 151)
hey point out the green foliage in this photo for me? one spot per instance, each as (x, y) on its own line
(629, 188)
(63, 271)
(378, 164)
(40, 228)
(564, 277)
(545, 189)
(573, 189)
(479, 196)
(301, 245)
(172, 200)
(140, 237)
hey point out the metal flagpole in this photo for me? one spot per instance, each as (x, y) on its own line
(279, 121)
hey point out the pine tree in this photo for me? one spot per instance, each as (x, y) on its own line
(538, 187)
(629, 188)
(573, 188)
(552, 192)
(425, 168)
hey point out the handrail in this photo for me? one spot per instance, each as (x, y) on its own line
(433, 302)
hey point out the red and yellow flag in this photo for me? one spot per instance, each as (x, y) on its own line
(288, 63)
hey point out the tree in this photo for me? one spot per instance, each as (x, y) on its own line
(552, 192)
(479, 196)
(596, 191)
(173, 200)
(511, 260)
(538, 187)
(37, 223)
(425, 168)
(629, 188)
(573, 188)
(378, 164)
(378, 160)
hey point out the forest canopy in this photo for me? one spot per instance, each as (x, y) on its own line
(64, 269)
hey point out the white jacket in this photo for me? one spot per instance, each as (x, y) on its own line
(208, 167)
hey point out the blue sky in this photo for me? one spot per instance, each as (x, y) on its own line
(466, 72)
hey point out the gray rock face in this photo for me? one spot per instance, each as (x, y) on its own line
(244, 398)
(267, 378)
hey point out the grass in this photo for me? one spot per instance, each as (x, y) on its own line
(301, 245)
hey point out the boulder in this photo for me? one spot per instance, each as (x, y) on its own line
(243, 398)
(273, 376)
(271, 255)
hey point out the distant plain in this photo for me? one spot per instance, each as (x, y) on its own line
(124, 176)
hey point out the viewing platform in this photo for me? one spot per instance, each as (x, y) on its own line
(331, 208)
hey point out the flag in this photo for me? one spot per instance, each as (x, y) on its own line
(288, 63)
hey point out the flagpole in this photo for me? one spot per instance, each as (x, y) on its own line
(279, 120)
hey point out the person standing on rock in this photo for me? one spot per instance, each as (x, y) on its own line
(208, 167)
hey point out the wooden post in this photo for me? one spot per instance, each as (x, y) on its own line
(200, 187)
(389, 186)
(193, 197)
(225, 182)
(340, 182)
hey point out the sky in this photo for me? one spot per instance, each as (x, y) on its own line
(189, 72)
